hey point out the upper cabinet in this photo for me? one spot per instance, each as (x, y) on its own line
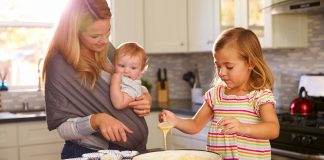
(182, 26)
(203, 28)
(165, 23)
(273, 31)
(127, 23)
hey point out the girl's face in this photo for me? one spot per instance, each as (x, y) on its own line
(130, 66)
(95, 38)
(232, 68)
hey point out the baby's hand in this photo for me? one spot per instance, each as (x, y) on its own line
(230, 125)
(116, 77)
(167, 116)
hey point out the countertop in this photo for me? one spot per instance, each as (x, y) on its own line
(6, 117)
(178, 106)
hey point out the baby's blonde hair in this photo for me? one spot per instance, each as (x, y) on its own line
(132, 49)
(248, 45)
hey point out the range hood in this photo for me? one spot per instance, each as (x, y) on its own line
(297, 7)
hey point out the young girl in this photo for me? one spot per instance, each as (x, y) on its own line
(130, 61)
(241, 104)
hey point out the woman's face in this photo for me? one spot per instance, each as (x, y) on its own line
(95, 37)
(130, 66)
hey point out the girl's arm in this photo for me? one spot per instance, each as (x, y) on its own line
(267, 129)
(189, 125)
(119, 99)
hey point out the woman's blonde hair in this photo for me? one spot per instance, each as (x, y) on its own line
(76, 17)
(132, 49)
(247, 44)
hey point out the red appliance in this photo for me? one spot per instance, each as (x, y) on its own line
(302, 105)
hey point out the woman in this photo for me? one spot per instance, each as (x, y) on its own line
(75, 91)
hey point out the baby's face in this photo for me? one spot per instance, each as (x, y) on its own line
(130, 66)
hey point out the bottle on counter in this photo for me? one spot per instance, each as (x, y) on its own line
(197, 79)
(196, 91)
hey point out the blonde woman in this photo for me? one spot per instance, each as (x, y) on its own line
(75, 91)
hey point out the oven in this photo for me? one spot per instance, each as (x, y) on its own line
(302, 135)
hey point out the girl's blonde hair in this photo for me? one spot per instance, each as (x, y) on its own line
(76, 17)
(247, 44)
(132, 49)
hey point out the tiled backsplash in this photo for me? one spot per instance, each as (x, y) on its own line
(287, 64)
(21, 100)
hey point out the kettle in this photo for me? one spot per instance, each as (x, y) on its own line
(302, 105)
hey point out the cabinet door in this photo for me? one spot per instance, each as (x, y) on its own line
(36, 133)
(9, 154)
(8, 135)
(41, 152)
(202, 28)
(127, 21)
(155, 136)
(165, 26)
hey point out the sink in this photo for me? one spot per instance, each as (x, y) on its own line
(40, 113)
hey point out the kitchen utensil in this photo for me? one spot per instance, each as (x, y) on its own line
(178, 155)
(197, 80)
(302, 105)
(190, 78)
(162, 86)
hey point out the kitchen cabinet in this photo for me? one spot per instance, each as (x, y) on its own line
(165, 24)
(155, 136)
(203, 28)
(273, 31)
(8, 142)
(179, 140)
(127, 23)
(29, 141)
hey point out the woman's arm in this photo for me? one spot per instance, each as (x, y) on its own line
(142, 104)
(75, 128)
(109, 127)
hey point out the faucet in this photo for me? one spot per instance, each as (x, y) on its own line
(39, 74)
(25, 104)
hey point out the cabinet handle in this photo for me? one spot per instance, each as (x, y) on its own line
(210, 42)
(181, 44)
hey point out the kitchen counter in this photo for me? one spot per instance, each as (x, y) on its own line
(6, 117)
(178, 106)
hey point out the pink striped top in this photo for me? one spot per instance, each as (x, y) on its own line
(246, 110)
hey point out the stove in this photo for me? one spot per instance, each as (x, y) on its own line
(302, 136)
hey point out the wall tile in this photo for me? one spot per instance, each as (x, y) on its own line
(288, 64)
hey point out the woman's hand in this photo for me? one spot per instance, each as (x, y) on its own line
(142, 105)
(167, 116)
(109, 127)
(231, 125)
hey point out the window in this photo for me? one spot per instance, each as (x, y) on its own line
(25, 30)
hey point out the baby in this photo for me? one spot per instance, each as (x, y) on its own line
(130, 62)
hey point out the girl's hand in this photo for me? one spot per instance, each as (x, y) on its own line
(231, 125)
(142, 105)
(167, 116)
(109, 127)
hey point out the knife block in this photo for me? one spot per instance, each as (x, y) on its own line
(162, 94)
